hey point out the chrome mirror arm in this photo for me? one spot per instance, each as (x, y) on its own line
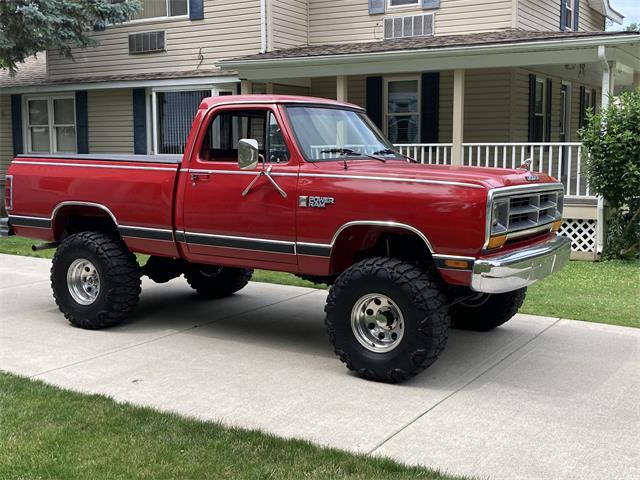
(274, 183)
(266, 173)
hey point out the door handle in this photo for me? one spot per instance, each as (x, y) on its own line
(199, 177)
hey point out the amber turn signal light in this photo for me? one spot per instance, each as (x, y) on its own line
(556, 225)
(456, 264)
(497, 242)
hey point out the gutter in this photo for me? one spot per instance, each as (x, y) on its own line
(436, 51)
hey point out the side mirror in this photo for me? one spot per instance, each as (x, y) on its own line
(248, 154)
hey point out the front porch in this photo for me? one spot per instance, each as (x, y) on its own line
(466, 100)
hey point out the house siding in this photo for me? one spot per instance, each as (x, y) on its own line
(229, 29)
(545, 15)
(349, 20)
(6, 142)
(289, 20)
(110, 115)
(325, 87)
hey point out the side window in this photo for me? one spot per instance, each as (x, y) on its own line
(227, 128)
(278, 151)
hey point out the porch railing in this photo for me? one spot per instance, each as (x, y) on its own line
(563, 161)
(429, 153)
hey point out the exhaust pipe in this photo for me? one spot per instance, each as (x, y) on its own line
(44, 246)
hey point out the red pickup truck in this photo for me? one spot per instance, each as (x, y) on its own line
(301, 185)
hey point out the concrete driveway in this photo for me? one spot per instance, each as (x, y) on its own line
(538, 398)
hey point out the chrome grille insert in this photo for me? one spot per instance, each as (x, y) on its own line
(519, 211)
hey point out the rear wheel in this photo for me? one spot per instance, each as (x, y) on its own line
(95, 280)
(387, 319)
(214, 282)
(487, 311)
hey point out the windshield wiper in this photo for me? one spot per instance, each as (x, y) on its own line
(388, 151)
(347, 152)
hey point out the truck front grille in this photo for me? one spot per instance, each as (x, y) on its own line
(521, 211)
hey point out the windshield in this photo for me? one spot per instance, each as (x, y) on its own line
(326, 134)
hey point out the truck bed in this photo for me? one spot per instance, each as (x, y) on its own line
(135, 191)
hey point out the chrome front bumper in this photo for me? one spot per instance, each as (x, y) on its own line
(5, 227)
(518, 269)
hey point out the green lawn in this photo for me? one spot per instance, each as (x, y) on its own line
(604, 292)
(52, 433)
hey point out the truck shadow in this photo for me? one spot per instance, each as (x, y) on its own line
(274, 317)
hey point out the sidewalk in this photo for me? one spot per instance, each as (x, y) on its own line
(537, 398)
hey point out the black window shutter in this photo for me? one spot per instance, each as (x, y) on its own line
(196, 10)
(563, 15)
(374, 100)
(430, 108)
(430, 4)
(139, 121)
(82, 122)
(583, 106)
(547, 136)
(16, 124)
(576, 15)
(532, 107)
(376, 6)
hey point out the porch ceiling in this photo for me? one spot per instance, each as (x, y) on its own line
(510, 48)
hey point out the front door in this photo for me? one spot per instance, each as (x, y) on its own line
(224, 222)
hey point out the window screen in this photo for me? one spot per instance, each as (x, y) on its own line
(175, 116)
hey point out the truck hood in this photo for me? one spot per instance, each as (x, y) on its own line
(486, 177)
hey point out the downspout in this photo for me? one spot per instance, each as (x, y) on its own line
(606, 87)
(263, 26)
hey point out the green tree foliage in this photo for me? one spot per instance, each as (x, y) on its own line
(612, 140)
(28, 27)
(633, 27)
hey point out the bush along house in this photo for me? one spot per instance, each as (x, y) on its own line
(456, 82)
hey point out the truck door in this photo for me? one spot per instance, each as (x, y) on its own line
(227, 219)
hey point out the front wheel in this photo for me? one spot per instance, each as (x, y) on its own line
(487, 311)
(215, 282)
(95, 280)
(387, 319)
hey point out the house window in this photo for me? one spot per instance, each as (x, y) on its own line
(50, 124)
(588, 104)
(568, 10)
(539, 111)
(402, 107)
(403, 3)
(173, 112)
(162, 8)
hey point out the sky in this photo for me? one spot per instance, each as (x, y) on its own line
(629, 8)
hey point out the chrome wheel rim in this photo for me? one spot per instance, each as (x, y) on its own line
(377, 323)
(83, 281)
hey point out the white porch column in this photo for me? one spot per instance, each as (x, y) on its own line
(458, 116)
(636, 79)
(342, 87)
(246, 87)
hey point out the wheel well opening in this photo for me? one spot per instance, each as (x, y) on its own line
(361, 242)
(75, 218)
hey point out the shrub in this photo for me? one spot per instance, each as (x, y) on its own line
(612, 143)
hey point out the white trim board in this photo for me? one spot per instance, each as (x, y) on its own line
(108, 85)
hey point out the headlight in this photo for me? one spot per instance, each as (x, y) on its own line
(499, 216)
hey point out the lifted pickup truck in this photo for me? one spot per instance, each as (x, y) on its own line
(302, 185)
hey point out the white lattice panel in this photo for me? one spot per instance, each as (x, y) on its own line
(581, 232)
